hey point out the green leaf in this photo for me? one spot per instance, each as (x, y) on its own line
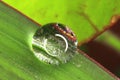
(111, 40)
(17, 61)
(84, 17)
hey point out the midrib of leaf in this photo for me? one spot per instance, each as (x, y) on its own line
(21, 61)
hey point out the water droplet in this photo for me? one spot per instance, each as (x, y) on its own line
(54, 43)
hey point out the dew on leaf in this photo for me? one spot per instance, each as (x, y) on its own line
(54, 43)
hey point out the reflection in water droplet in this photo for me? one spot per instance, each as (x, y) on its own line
(53, 49)
(78, 63)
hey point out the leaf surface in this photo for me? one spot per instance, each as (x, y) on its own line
(17, 61)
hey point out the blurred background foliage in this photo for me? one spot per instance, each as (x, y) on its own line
(84, 17)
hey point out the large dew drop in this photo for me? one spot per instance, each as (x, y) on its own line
(54, 43)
